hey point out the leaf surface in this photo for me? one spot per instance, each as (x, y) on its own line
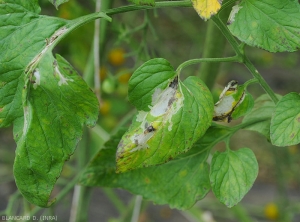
(232, 174)
(272, 25)
(285, 122)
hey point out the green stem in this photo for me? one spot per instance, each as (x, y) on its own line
(137, 208)
(241, 213)
(164, 4)
(119, 205)
(196, 61)
(229, 37)
(214, 47)
(11, 204)
(260, 79)
(250, 81)
(227, 142)
(82, 194)
(246, 124)
(62, 193)
(97, 80)
(243, 59)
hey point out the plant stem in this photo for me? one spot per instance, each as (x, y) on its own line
(241, 213)
(62, 193)
(250, 81)
(118, 204)
(163, 4)
(260, 79)
(137, 208)
(97, 80)
(243, 59)
(227, 143)
(196, 61)
(82, 194)
(11, 203)
(214, 46)
(229, 37)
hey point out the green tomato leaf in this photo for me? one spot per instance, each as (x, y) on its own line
(232, 174)
(260, 115)
(41, 96)
(179, 183)
(58, 104)
(243, 108)
(143, 2)
(180, 114)
(25, 36)
(153, 74)
(269, 24)
(285, 122)
(57, 3)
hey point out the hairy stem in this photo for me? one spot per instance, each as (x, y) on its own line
(118, 204)
(197, 61)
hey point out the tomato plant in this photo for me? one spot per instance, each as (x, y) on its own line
(167, 153)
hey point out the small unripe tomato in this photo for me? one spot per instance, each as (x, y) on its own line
(109, 85)
(271, 211)
(116, 56)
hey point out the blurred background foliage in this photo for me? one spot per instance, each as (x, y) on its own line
(176, 34)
